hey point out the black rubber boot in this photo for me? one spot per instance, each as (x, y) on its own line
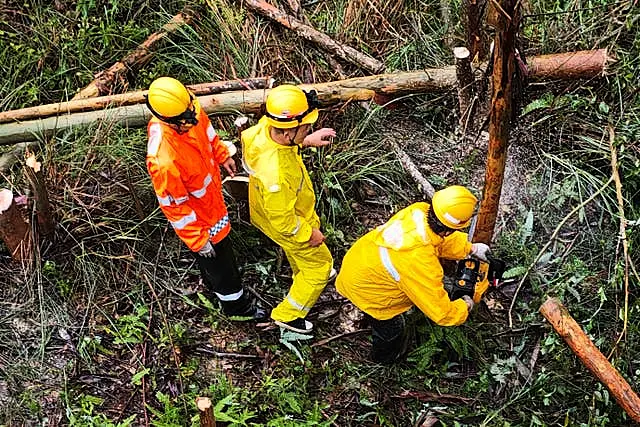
(390, 340)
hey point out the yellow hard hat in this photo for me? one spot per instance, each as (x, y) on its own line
(454, 206)
(170, 101)
(288, 107)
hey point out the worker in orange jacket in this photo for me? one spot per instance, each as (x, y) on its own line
(184, 155)
(396, 266)
(282, 200)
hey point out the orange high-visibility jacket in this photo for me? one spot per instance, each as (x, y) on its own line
(185, 173)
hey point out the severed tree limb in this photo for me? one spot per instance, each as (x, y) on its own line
(102, 84)
(413, 171)
(129, 98)
(309, 33)
(623, 234)
(14, 230)
(593, 359)
(569, 65)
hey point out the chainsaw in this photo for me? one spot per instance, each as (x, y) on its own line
(473, 276)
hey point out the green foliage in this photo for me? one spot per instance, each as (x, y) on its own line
(83, 414)
(130, 328)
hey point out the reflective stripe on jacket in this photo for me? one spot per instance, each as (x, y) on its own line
(185, 174)
(281, 197)
(396, 266)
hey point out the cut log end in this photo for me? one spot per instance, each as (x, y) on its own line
(203, 403)
(461, 52)
(6, 199)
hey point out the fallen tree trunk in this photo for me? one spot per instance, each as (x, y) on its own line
(129, 98)
(102, 84)
(570, 65)
(309, 33)
(356, 89)
(593, 359)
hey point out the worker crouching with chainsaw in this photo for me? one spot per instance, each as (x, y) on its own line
(282, 200)
(184, 155)
(396, 266)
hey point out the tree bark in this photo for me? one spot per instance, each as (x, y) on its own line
(207, 418)
(500, 120)
(14, 230)
(473, 20)
(356, 89)
(130, 98)
(591, 357)
(309, 33)
(102, 84)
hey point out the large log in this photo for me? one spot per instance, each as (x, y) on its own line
(570, 65)
(102, 84)
(593, 359)
(129, 98)
(14, 230)
(500, 119)
(309, 33)
(356, 89)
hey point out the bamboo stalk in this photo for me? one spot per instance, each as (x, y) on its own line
(129, 98)
(104, 81)
(356, 89)
(309, 33)
(499, 122)
(591, 357)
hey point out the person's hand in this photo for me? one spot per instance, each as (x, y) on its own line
(230, 166)
(467, 300)
(207, 250)
(319, 138)
(480, 251)
(316, 238)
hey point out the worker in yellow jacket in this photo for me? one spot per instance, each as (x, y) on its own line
(184, 155)
(282, 200)
(396, 266)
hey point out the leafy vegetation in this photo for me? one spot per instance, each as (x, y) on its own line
(108, 327)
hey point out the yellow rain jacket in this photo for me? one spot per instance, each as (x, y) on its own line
(282, 206)
(396, 266)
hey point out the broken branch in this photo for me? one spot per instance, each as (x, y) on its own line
(103, 83)
(309, 33)
(593, 359)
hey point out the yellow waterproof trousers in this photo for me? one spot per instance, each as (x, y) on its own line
(311, 268)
